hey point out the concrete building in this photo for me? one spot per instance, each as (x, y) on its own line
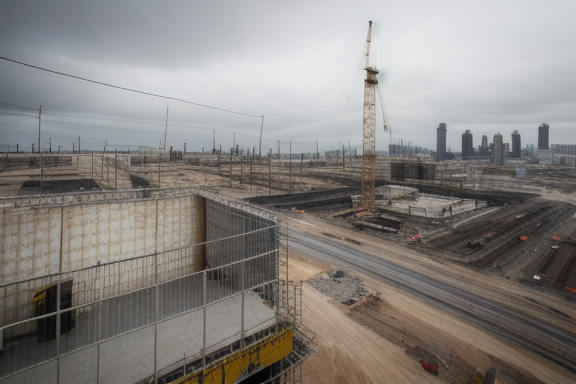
(564, 149)
(467, 145)
(441, 142)
(143, 285)
(415, 170)
(516, 145)
(498, 149)
(545, 156)
(543, 137)
(565, 160)
(484, 148)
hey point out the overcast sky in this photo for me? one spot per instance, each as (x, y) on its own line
(487, 66)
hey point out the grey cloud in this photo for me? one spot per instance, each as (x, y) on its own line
(484, 66)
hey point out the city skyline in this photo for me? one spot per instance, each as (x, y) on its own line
(543, 132)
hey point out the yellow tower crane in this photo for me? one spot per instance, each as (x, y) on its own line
(369, 122)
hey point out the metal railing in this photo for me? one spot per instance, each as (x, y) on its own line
(213, 308)
(147, 312)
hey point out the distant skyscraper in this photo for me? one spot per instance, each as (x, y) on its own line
(516, 145)
(543, 132)
(498, 150)
(484, 150)
(441, 142)
(467, 147)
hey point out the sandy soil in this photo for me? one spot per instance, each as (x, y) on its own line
(347, 352)
(383, 342)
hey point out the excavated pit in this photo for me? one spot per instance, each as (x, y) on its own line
(510, 234)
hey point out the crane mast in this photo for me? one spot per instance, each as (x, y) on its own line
(367, 200)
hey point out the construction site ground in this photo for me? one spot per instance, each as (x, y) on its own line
(384, 339)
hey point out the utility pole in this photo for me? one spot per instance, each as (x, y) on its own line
(41, 177)
(290, 170)
(270, 173)
(261, 128)
(116, 170)
(166, 130)
(231, 151)
(251, 163)
(349, 150)
(39, 123)
(301, 165)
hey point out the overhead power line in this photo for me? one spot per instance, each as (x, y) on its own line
(17, 106)
(128, 89)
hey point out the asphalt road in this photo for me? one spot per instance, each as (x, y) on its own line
(547, 340)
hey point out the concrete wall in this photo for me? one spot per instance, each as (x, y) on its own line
(96, 245)
(29, 243)
(34, 240)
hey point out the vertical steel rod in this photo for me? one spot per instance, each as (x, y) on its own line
(39, 123)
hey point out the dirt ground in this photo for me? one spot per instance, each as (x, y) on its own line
(383, 340)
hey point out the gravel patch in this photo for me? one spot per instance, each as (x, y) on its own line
(339, 286)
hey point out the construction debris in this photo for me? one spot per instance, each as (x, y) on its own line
(340, 286)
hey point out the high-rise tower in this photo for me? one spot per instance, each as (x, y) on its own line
(441, 142)
(543, 132)
(467, 146)
(498, 150)
(516, 145)
(484, 145)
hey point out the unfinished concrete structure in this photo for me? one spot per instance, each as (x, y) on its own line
(416, 170)
(142, 284)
